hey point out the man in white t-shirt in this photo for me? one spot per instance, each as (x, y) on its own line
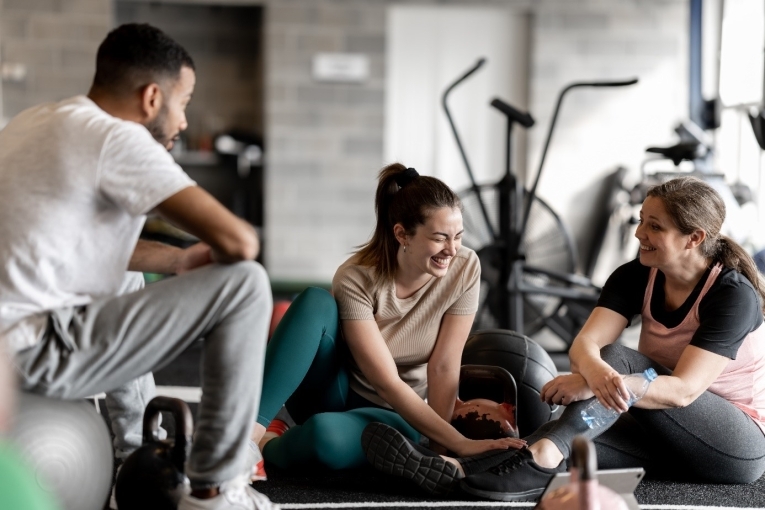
(77, 179)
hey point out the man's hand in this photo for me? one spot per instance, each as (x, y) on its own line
(194, 256)
(222, 258)
(196, 211)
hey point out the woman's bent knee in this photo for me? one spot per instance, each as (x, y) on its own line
(318, 300)
(332, 445)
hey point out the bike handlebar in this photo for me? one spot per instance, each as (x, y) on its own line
(524, 119)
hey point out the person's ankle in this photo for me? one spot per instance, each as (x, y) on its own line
(275, 429)
(456, 464)
(207, 493)
(268, 436)
(257, 433)
(546, 454)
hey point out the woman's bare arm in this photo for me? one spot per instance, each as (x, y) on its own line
(375, 361)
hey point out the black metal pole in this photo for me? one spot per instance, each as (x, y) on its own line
(507, 207)
(473, 184)
(533, 190)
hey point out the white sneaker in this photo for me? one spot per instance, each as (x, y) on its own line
(255, 459)
(235, 494)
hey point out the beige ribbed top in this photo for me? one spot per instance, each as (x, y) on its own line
(408, 326)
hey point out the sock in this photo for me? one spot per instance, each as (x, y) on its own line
(275, 429)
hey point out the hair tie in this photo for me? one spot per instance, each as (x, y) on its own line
(405, 177)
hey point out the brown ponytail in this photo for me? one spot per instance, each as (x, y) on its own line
(404, 197)
(693, 204)
(731, 254)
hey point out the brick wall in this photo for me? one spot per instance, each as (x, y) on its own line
(56, 40)
(324, 141)
(225, 43)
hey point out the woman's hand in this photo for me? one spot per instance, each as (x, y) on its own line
(607, 385)
(470, 447)
(566, 389)
(602, 328)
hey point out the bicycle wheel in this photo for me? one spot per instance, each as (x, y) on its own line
(547, 244)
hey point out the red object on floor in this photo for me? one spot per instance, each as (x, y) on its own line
(280, 308)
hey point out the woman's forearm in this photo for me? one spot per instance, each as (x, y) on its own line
(666, 392)
(583, 353)
(421, 416)
(443, 386)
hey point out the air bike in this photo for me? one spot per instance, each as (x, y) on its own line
(530, 275)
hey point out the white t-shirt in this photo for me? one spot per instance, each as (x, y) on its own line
(75, 186)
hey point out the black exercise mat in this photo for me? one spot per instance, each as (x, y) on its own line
(323, 486)
(365, 486)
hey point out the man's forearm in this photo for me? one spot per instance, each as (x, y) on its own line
(154, 257)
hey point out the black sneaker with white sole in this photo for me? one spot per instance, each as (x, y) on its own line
(518, 478)
(389, 451)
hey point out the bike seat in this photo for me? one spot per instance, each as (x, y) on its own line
(680, 152)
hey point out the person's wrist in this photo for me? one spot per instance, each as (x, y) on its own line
(178, 259)
(462, 446)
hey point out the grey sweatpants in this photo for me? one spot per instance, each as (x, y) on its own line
(109, 343)
(710, 440)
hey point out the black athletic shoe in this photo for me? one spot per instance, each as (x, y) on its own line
(390, 452)
(518, 478)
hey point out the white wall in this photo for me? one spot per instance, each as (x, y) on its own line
(742, 69)
(599, 129)
(428, 47)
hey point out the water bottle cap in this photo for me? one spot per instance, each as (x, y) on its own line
(650, 374)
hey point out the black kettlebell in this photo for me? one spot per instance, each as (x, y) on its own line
(486, 407)
(152, 477)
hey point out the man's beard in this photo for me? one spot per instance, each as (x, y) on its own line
(157, 127)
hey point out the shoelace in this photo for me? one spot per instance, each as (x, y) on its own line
(509, 465)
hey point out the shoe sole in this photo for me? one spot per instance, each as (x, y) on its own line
(530, 495)
(388, 451)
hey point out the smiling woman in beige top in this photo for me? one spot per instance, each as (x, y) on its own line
(387, 346)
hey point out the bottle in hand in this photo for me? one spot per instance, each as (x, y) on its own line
(595, 415)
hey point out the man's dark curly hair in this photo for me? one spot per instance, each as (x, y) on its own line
(134, 55)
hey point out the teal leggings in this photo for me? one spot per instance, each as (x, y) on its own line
(305, 372)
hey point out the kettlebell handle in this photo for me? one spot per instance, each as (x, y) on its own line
(184, 426)
(493, 374)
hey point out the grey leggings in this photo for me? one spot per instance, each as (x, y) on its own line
(112, 341)
(710, 440)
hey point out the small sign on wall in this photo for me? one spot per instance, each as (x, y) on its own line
(341, 67)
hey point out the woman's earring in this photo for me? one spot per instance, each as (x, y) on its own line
(404, 248)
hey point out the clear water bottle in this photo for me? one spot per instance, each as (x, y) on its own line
(597, 416)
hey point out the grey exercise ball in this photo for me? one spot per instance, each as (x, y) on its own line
(67, 446)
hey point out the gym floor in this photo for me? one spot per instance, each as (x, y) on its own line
(366, 488)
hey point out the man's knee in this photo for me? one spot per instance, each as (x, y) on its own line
(249, 274)
(251, 282)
